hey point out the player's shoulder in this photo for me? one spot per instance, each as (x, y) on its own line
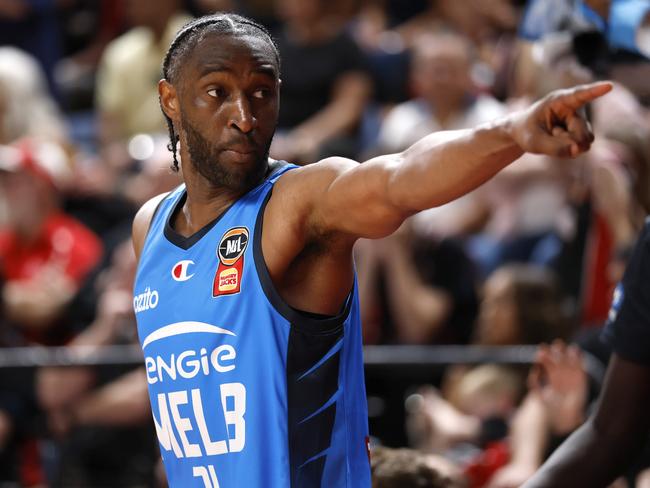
(315, 176)
(297, 193)
(142, 221)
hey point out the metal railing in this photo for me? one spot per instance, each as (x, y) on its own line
(374, 356)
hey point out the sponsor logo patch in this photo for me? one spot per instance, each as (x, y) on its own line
(180, 270)
(231, 249)
(145, 301)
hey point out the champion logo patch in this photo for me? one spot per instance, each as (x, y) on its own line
(180, 271)
(230, 251)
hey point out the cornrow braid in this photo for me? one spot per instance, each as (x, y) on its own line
(189, 36)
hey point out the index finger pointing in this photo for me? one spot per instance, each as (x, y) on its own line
(583, 94)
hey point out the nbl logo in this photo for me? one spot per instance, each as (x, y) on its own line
(231, 249)
(232, 245)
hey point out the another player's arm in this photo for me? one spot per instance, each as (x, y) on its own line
(600, 450)
(372, 199)
(142, 221)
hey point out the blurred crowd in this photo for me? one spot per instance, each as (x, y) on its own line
(532, 257)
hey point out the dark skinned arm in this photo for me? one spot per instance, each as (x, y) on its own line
(318, 211)
(372, 199)
(600, 450)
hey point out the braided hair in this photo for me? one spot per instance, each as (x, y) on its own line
(186, 40)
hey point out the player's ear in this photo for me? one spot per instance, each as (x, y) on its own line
(168, 99)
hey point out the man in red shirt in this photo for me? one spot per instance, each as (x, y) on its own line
(45, 255)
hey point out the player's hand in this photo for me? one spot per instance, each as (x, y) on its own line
(555, 125)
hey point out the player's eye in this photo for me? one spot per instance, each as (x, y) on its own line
(217, 92)
(261, 93)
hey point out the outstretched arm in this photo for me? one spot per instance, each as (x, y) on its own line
(599, 451)
(372, 199)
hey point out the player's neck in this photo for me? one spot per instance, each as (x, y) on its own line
(204, 203)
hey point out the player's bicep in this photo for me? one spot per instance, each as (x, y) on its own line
(356, 199)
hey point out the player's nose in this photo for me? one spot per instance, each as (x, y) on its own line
(241, 115)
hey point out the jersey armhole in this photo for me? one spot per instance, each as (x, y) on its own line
(151, 220)
(306, 322)
(155, 212)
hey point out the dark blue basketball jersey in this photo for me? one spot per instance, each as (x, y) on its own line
(245, 391)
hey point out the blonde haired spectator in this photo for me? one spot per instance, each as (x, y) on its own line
(26, 107)
(127, 79)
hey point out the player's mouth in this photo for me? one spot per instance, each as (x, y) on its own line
(239, 153)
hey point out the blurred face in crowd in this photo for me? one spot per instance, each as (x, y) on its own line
(149, 13)
(25, 201)
(299, 11)
(441, 68)
(498, 316)
(224, 105)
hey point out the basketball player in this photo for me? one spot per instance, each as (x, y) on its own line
(245, 294)
(607, 443)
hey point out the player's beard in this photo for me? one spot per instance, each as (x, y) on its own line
(205, 158)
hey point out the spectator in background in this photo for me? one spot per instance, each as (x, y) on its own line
(416, 289)
(26, 107)
(46, 258)
(127, 80)
(33, 26)
(91, 410)
(516, 217)
(446, 97)
(521, 305)
(625, 24)
(154, 176)
(324, 89)
(45, 255)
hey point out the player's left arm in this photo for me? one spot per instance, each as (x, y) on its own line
(372, 199)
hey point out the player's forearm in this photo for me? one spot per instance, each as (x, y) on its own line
(588, 458)
(446, 165)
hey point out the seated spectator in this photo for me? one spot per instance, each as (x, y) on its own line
(446, 98)
(45, 255)
(555, 405)
(484, 399)
(154, 176)
(325, 87)
(127, 79)
(26, 106)
(34, 26)
(92, 410)
(518, 216)
(521, 305)
(416, 289)
(46, 258)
